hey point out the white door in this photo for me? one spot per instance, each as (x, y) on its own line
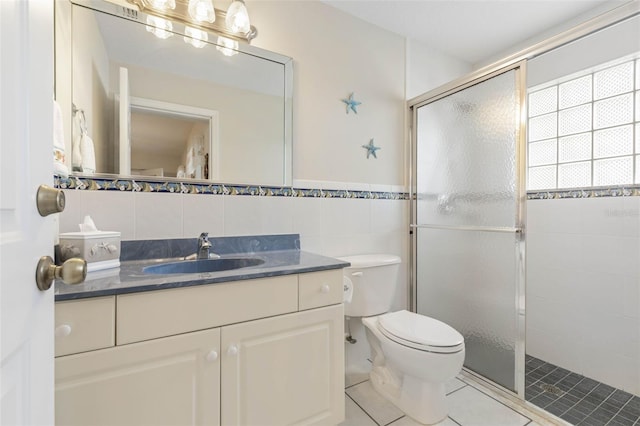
(26, 111)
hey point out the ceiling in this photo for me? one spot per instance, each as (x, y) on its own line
(471, 30)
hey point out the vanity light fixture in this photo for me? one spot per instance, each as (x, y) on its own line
(234, 24)
(202, 10)
(162, 4)
(159, 27)
(195, 37)
(238, 17)
(227, 46)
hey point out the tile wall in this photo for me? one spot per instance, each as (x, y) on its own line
(327, 226)
(583, 287)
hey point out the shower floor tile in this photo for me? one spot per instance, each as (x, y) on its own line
(577, 399)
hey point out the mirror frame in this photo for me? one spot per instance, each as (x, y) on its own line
(120, 11)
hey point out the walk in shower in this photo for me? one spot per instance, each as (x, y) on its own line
(468, 218)
(542, 150)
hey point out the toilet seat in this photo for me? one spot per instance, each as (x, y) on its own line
(420, 332)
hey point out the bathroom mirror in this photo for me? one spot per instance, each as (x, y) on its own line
(164, 108)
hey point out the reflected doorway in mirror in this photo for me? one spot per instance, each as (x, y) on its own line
(172, 140)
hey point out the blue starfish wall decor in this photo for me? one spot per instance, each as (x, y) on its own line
(351, 104)
(371, 149)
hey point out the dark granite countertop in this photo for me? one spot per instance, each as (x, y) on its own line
(129, 277)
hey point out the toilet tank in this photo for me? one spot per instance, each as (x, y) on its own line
(374, 278)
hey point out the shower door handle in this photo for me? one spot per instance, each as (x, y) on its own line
(503, 229)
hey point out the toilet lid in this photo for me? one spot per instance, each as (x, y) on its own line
(420, 332)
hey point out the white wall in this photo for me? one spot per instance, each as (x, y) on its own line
(583, 287)
(335, 54)
(428, 68)
(90, 86)
(550, 32)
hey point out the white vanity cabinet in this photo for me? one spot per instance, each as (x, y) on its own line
(248, 352)
(284, 370)
(169, 381)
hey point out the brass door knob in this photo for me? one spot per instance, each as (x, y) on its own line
(49, 200)
(73, 271)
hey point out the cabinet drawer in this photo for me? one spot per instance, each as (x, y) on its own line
(320, 289)
(84, 325)
(153, 314)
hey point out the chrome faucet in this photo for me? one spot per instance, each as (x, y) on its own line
(203, 246)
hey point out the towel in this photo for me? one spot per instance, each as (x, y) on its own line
(78, 131)
(88, 154)
(59, 166)
(76, 155)
(83, 157)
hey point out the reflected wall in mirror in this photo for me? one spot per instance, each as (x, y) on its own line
(164, 108)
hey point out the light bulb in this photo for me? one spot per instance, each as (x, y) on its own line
(159, 27)
(227, 46)
(163, 4)
(195, 37)
(238, 18)
(202, 10)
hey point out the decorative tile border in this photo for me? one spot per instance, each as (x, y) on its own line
(131, 185)
(628, 191)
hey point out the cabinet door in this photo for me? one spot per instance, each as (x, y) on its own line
(286, 370)
(170, 381)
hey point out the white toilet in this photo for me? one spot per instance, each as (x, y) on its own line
(413, 355)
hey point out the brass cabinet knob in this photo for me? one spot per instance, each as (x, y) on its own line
(73, 271)
(49, 200)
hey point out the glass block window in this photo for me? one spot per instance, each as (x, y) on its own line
(584, 130)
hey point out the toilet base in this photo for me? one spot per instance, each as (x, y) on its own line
(422, 401)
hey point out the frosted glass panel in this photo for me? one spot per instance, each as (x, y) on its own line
(613, 171)
(574, 148)
(574, 175)
(467, 279)
(638, 104)
(542, 177)
(613, 142)
(613, 81)
(575, 92)
(574, 120)
(544, 152)
(466, 156)
(543, 101)
(613, 111)
(638, 138)
(637, 169)
(466, 178)
(543, 127)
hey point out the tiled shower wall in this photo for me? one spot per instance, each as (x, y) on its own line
(583, 287)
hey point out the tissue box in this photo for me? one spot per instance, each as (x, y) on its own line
(101, 249)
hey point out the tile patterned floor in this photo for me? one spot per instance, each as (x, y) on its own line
(577, 399)
(470, 404)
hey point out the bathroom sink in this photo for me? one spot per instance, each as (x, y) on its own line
(203, 265)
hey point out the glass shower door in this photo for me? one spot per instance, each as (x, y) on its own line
(467, 221)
